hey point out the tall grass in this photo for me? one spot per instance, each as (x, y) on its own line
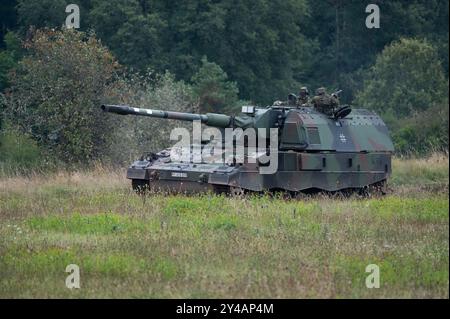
(432, 171)
(213, 246)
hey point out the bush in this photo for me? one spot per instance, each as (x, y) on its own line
(57, 90)
(18, 153)
(407, 86)
(407, 78)
(423, 133)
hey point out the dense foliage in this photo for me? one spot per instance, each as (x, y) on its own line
(407, 78)
(407, 86)
(58, 87)
(214, 91)
(213, 54)
(55, 92)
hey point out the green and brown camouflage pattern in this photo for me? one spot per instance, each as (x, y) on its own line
(316, 152)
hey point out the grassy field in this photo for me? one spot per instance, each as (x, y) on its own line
(213, 246)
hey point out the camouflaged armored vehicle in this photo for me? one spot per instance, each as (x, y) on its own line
(348, 150)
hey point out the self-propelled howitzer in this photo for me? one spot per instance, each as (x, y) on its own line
(348, 150)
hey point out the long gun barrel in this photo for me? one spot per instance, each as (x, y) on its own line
(210, 119)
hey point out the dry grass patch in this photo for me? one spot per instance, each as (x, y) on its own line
(213, 246)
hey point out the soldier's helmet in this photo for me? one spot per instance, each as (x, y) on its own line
(320, 91)
(277, 103)
(304, 90)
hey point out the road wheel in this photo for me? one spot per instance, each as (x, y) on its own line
(377, 189)
(236, 191)
(364, 192)
(140, 186)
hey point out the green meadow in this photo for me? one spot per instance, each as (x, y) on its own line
(208, 246)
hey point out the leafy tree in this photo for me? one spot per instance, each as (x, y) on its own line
(406, 78)
(56, 92)
(137, 41)
(8, 61)
(132, 32)
(408, 87)
(8, 18)
(42, 13)
(213, 89)
(9, 58)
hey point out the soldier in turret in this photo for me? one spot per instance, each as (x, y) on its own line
(303, 97)
(324, 102)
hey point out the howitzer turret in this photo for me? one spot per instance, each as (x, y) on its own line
(350, 149)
